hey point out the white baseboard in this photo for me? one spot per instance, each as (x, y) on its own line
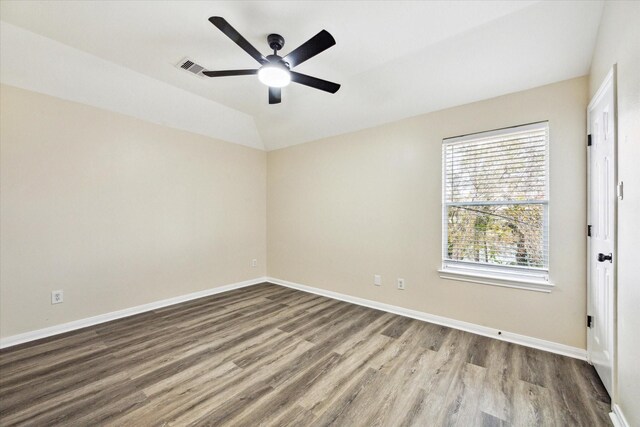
(90, 321)
(524, 340)
(445, 321)
(617, 417)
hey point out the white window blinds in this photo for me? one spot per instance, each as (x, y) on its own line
(495, 203)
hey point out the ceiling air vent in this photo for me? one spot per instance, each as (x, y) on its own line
(190, 66)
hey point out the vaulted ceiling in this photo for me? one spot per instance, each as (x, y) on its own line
(394, 59)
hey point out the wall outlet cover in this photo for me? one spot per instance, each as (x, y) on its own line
(57, 297)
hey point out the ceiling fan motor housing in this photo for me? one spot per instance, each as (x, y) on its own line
(277, 60)
(276, 41)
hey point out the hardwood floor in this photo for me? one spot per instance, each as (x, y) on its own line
(269, 355)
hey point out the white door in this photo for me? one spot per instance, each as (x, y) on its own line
(602, 198)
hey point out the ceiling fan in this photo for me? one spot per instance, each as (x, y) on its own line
(275, 71)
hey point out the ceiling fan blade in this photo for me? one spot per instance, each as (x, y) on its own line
(316, 44)
(230, 32)
(314, 82)
(226, 73)
(275, 95)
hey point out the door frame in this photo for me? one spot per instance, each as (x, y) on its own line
(610, 79)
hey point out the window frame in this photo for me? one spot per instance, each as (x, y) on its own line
(529, 278)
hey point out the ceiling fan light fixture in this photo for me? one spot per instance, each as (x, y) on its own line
(275, 69)
(274, 75)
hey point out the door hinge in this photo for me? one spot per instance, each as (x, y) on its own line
(589, 321)
(620, 190)
(589, 140)
(589, 230)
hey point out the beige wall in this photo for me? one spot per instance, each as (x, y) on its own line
(117, 212)
(345, 208)
(619, 42)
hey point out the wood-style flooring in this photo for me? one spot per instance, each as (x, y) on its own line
(269, 355)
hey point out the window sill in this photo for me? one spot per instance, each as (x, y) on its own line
(529, 285)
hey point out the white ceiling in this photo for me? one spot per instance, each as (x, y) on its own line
(394, 59)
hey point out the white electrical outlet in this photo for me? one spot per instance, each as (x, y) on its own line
(400, 283)
(377, 279)
(56, 297)
(254, 263)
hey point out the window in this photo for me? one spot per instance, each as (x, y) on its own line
(496, 207)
